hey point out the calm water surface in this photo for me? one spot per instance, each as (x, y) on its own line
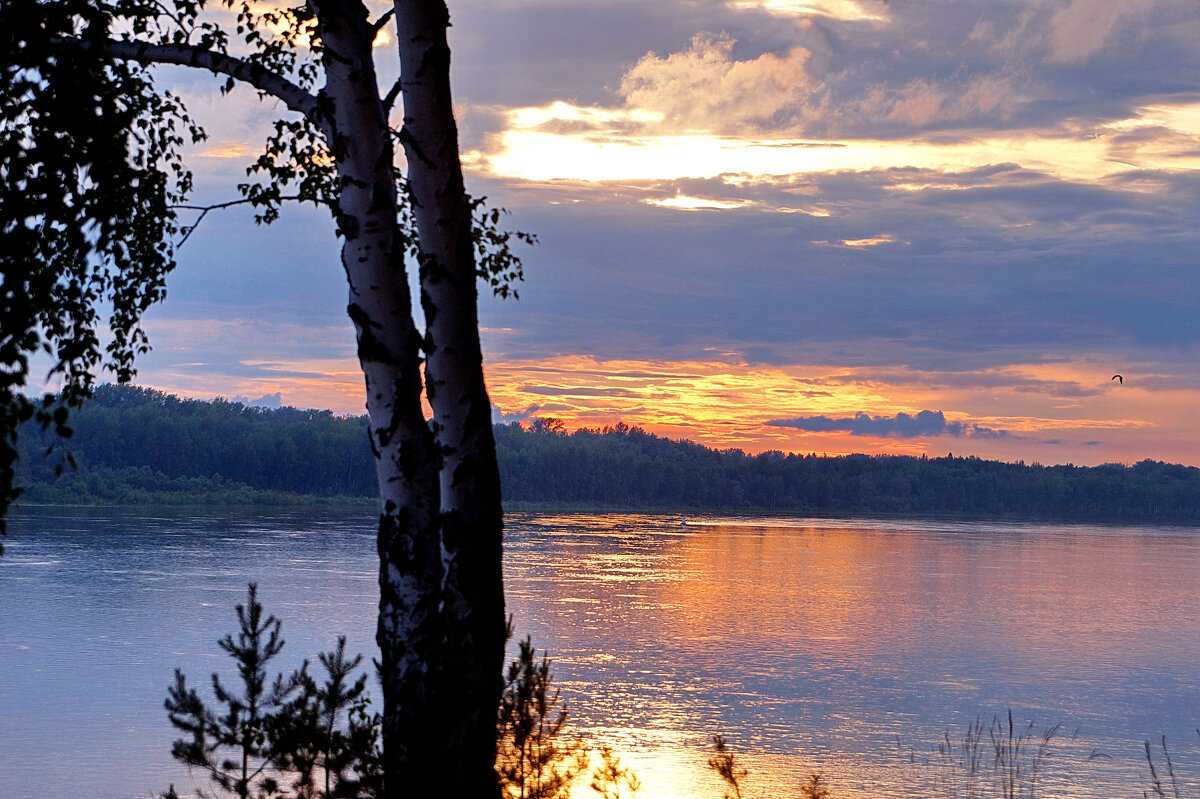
(847, 647)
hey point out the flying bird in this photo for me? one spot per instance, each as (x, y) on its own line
(1119, 379)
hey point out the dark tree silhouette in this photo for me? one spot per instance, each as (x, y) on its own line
(290, 737)
(138, 445)
(92, 181)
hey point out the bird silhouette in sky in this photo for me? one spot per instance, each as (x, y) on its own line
(1119, 379)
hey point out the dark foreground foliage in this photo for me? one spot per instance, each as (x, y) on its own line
(91, 171)
(137, 444)
(296, 736)
(534, 759)
(316, 736)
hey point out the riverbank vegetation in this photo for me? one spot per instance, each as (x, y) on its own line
(141, 446)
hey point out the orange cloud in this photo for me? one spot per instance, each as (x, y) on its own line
(1049, 413)
(1052, 413)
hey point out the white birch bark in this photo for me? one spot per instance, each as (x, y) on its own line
(471, 514)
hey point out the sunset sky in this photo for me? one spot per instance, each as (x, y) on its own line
(830, 226)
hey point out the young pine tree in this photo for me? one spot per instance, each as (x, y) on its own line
(608, 776)
(724, 762)
(327, 738)
(292, 739)
(532, 760)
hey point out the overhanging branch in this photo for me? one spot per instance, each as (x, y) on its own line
(261, 78)
(390, 99)
(204, 209)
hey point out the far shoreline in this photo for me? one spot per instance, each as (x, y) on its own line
(292, 503)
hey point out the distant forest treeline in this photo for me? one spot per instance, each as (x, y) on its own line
(137, 445)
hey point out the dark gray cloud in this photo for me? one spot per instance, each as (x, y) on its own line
(924, 424)
(929, 66)
(1020, 267)
(532, 53)
(231, 261)
(988, 266)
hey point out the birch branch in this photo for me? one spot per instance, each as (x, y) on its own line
(261, 78)
(204, 209)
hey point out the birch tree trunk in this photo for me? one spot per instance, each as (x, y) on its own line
(441, 619)
(469, 482)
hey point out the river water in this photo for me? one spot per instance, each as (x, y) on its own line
(849, 647)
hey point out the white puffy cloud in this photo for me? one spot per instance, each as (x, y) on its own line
(705, 88)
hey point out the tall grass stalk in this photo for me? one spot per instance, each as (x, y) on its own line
(1155, 782)
(999, 759)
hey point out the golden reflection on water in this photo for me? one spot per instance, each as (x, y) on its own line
(849, 647)
(830, 587)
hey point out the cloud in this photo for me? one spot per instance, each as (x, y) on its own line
(686, 203)
(913, 67)
(869, 241)
(902, 425)
(576, 391)
(632, 144)
(1006, 192)
(1001, 265)
(518, 416)
(274, 401)
(847, 10)
(924, 103)
(228, 149)
(704, 88)
(1080, 30)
